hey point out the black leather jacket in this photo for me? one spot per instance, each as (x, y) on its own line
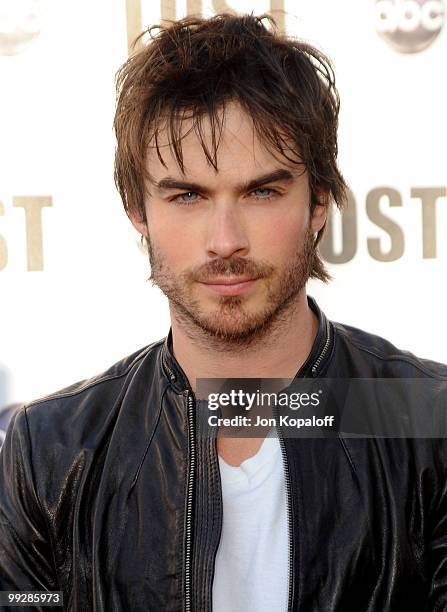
(107, 494)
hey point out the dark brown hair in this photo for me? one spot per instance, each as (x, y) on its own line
(192, 68)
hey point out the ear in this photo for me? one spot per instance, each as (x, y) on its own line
(138, 222)
(320, 212)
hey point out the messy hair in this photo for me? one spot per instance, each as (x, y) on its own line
(193, 68)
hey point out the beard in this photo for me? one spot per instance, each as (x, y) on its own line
(230, 323)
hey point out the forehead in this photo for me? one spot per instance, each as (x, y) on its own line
(231, 146)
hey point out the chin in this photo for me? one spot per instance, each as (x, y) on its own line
(233, 325)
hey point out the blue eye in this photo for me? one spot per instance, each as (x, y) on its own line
(263, 193)
(189, 197)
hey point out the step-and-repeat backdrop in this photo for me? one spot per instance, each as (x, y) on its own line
(74, 295)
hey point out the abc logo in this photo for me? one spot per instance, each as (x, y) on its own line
(409, 26)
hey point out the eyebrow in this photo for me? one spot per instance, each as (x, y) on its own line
(282, 174)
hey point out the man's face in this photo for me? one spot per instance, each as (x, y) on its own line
(247, 224)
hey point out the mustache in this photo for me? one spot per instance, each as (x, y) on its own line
(237, 266)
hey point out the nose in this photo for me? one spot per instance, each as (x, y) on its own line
(226, 231)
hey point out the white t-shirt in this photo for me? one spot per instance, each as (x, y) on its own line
(252, 568)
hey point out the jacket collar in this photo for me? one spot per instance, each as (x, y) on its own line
(317, 359)
(321, 350)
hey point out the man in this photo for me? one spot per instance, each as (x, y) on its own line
(226, 163)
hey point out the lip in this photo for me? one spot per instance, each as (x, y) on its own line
(230, 286)
(225, 280)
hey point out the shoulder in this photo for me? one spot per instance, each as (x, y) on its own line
(375, 356)
(60, 435)
(91, 401)
(409, 412)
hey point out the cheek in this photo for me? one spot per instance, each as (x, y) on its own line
(283, 232)
(174, 240)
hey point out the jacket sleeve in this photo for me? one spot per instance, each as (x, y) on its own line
(25, 549)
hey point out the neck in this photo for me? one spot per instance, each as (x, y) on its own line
(280, 352)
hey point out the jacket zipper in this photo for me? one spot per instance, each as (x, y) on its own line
(325, 348)
(287, 480)
(189, 500)
(291, 582)
(190, 491)
(172, 376)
